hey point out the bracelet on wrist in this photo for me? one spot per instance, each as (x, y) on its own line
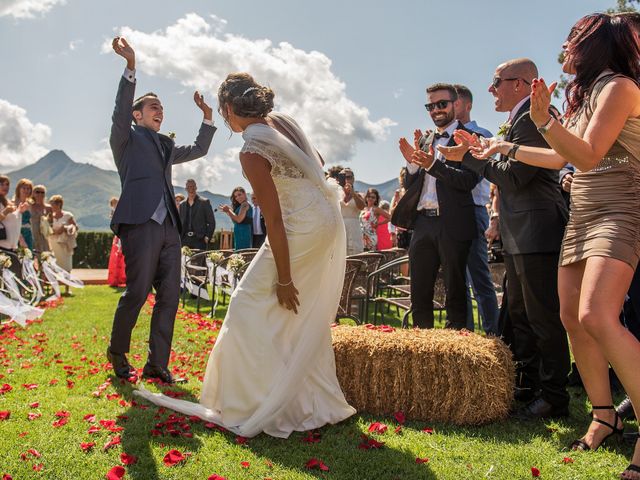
(284, 284)
(512, 151)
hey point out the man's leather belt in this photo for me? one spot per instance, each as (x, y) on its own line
(430, 212)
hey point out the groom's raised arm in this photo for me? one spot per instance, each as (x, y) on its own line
(122, 113)
(185, 153)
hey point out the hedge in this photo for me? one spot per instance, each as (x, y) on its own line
(94, 247)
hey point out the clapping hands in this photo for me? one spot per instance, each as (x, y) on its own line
(541, 100)
(413, 154)
(480, 147)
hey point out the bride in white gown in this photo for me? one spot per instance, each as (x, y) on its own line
(272, 368)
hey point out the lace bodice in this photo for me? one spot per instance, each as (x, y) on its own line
(281, 165)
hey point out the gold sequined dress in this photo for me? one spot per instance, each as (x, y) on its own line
(605, 201)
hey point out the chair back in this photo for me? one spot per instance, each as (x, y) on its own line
(352, 269)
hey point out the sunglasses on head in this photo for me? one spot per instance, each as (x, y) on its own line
(497, 81)
(440, 105)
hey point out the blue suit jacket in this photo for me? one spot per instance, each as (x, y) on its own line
(144, 169)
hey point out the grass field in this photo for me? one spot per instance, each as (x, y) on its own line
(56, 394)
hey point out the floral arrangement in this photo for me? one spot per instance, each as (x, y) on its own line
(235, 263)
(503, 130)
(5, 261)
(216, 257)
(24, 252)
(46, 256)
(186, 252)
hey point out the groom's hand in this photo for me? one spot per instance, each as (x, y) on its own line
(122, 48)
(202, 105)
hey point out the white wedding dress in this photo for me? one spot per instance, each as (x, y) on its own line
(272, 370)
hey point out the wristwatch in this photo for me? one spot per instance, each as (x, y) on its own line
(545, 128)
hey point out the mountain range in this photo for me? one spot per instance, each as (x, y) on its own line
(86, 189)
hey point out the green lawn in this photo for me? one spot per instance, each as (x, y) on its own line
(59, 364)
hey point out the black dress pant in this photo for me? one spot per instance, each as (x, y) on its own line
(431, 246)
(540, 345)
(152, 258)
(258, 240)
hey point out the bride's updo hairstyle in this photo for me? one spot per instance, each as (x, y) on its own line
(246, 97)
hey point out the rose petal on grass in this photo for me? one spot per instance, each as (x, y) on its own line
(245, 464)
(422, 460)
(566, 460)
(127, 459)
(116, 473)
(5, 414)
(535, 472)
(173, 457)
(400, 418)
(112, 443)
(87, 446)
(216, 477)
(315, 464)
(377, 427)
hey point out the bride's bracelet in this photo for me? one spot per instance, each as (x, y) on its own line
(284, 284)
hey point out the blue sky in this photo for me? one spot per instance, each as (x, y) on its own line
(352, 72)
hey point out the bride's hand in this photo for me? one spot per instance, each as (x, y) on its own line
(288, 296)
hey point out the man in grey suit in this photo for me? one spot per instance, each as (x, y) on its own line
(146, 218)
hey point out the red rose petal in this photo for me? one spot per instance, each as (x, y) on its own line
(566, 460)
(377, 427)
(315, 464)
(112, 443)
(216, 477)
(34, 405)
(400, 418)
(422, 460)
(86, 446)
(428, 430)
(116, 473)
(89, 417)
(6, 476)
(245, 464)
(127, 459)
(173, 457)
(5, 414)
(535, 472)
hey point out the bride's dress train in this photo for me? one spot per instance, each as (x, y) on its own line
(271, 370)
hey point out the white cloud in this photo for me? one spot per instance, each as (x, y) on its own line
(74, 44)
(198, 54)
(27, 8)
(21, 141)
(209, 170)
(103, 157)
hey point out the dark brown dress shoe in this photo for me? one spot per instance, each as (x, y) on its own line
(540, 408)
(160, 373)
(121, 366)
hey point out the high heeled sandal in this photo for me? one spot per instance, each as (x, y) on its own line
(631, 468)
(581, 445)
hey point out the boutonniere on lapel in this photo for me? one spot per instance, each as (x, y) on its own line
(171, 135)
(503, 130)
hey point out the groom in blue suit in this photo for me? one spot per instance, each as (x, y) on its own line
(146, 218)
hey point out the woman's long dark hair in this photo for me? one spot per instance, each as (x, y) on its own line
(376, 193)
(597, 42)
(234, 202)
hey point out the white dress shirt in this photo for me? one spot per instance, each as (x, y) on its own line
(257, 225)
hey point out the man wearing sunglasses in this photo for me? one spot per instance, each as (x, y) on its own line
(439, 207)
(532, 219)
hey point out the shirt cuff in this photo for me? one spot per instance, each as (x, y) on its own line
(411, 168)
(130, 75)
(208, 122)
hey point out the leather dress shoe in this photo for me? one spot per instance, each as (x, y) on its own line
(524, 394)
(121, 366)
(625, 409)
(159, 373)
(540, 408)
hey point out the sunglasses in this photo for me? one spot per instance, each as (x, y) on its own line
(38, 192)
(440, 105)
(497, 81)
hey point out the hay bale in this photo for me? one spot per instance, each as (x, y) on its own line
(432, 375)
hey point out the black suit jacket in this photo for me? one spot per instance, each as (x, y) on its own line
(203, 223)
(454, 183)
(533, 213)
(144, 162)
